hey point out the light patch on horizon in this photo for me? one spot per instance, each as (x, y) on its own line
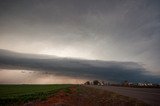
(34, 77)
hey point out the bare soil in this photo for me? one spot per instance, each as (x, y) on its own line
(86, 96)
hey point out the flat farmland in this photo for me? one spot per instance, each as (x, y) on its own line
(10, 94)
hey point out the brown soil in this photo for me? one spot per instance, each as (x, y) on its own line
(85, 96)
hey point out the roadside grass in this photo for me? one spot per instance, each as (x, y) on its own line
(16, 94)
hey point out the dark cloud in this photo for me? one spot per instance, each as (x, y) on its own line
(78, 68)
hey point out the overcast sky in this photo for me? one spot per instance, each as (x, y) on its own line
(111, 30)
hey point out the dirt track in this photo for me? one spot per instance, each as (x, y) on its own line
(148, 95)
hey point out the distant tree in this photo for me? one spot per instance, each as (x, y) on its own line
(103, 83)
(96, 82)
(87, 83)
(125, 83)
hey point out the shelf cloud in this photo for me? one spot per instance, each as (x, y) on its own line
(76, 68)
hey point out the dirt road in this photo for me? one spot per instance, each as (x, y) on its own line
(148, 95)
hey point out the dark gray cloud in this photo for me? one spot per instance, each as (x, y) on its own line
(123, 30)
(77, 68)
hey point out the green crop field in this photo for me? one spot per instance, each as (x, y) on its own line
(23, 93)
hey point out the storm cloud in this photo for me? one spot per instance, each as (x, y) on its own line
(76, 68)
(122, 33)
